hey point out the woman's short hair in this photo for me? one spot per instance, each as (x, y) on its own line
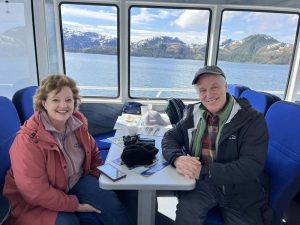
(55, 82)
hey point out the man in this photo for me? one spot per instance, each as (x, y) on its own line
(222, 143)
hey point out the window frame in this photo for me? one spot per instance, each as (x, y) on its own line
(29, 5)
(265, 11)
(164, 7)
(118, 45)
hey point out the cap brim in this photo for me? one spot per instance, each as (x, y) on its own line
(206, 72)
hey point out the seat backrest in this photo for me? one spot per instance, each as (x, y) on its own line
(283, 160)
(10, 124)
(175, 109)
(236, 89)
(23, 100)
(261, 101)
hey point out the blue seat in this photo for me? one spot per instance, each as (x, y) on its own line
(104, 143)
(102, 139)
(10, 124)
(236, 89)
(283, 160)
(261, 101)
(23, 100)
(89, 218)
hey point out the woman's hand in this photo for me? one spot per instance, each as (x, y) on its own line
(188, 166)
(87, 208)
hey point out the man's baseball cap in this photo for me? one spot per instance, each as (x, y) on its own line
(208, 70)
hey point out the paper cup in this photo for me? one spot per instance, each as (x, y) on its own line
(131, 130)
(144, 109)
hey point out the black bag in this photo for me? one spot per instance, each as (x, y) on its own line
(175, 109)
(139, 154)
(132, 108)
(136, 139)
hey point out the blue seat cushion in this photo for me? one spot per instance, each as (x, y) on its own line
(89, 218)
(236, 89)
(259, 100)
(104, 153)
(23, 100)
(10, 124)
(283, 160)
(102, 139)
(5, 160)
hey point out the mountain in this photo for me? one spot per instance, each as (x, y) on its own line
(89, 42)
(258, 48)
(166, 47)
(13, 43)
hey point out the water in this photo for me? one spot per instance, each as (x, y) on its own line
(164, 77)
(16, 73)
(149, 77)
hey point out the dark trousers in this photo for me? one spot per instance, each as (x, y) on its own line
(88, 191)
(194, 205)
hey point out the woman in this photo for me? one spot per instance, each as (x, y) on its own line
(54, 164)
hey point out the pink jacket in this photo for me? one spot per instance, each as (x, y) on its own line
(36, 183)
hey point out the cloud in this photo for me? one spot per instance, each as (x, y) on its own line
(230, 15)
(77, 12)
(145, 16)
(278, 25)
(192, 19)
(101, 29)
(276, 21)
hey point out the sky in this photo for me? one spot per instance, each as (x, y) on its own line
(190, 25)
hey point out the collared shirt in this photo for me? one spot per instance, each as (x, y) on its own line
(208, 153)
(67, 141)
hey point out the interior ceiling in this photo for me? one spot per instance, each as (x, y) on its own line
(276, 3)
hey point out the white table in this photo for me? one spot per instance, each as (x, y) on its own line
(165, 179)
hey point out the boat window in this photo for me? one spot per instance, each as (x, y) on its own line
(167, 46)
(18, 68)
(298, 94)
(256, 49)
(90, 47)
